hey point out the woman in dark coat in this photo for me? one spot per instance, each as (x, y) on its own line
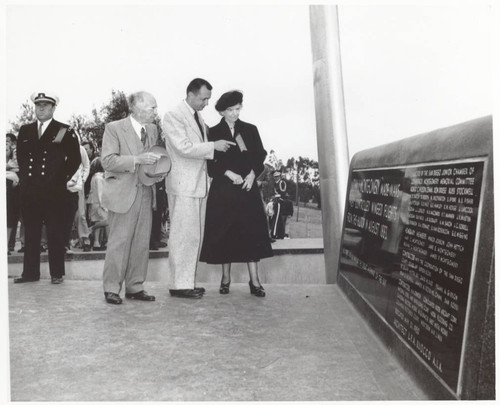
(236, 228)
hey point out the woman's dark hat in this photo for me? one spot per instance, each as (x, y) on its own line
(229, 99)
(150, 174)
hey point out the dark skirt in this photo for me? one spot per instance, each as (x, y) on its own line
(236, 229)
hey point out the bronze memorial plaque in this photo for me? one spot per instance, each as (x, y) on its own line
(409, 249)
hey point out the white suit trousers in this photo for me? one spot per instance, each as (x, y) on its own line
(187, 224)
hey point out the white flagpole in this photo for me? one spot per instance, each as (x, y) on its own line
(333, 155)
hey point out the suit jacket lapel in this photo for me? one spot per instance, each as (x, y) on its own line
(190, 118)
(130, 137)
(33, 131)
(49, 132)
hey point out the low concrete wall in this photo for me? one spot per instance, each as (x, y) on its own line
(296, 261)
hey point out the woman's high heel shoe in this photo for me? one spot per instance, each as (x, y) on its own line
(257, 291)
(224, 288)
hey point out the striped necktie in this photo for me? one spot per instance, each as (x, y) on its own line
(40, 127)
(143, 136)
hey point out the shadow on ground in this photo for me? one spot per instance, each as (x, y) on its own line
(300, 343)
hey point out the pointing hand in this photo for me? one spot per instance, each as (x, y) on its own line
(222, 146)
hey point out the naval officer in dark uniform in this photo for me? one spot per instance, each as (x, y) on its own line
(48, 155)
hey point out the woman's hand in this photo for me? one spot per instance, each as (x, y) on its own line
(235, 178)
(248, 182)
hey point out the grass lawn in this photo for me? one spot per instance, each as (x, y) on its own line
(308, 225)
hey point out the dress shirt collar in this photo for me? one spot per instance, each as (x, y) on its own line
(189, 107)
(44, 124)
(137, 127)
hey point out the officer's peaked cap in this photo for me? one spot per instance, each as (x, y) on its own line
(45, 96)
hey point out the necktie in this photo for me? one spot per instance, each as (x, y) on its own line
(40, 127)
(143, 136)
(198, 121)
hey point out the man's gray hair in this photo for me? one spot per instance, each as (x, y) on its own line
(135, 98)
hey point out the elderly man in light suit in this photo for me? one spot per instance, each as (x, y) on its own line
(124, 148)
(187, 185)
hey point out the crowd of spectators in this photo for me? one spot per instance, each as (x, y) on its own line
(87, 220)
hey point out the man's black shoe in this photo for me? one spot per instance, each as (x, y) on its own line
(201, 290)
(112, 298)
(141, 296)
(21, 250)
(87, 248)
(153, 247)
(186, 293)
(57, 280)
(20, 280)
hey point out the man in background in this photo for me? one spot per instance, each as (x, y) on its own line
(48, 155)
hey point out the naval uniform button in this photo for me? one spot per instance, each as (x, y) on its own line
(29, 174)
(43, 173)
(43, 166)
(30, 167)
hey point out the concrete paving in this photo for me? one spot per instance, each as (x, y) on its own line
(299, 343)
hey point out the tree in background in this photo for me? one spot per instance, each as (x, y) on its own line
(89, 128)
(305, 173)
(27, 116)
(117, 108)
(272, 161)
(302, 171)
(80, 124)
(92, 128)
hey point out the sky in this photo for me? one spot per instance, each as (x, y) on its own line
(106, 47)
(409, 70)
(406, 69)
